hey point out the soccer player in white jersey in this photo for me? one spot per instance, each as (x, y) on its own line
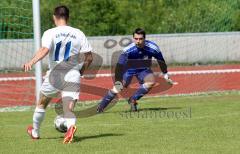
(63, 44)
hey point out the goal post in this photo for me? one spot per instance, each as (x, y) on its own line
(37, 44)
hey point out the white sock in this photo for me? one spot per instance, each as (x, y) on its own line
(38, 117)
(70, 122)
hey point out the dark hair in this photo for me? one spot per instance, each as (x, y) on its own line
(61, 12)
(139, 31)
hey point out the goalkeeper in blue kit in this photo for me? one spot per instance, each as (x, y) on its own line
(135, 60)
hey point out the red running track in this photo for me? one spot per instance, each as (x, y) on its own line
(22, 93)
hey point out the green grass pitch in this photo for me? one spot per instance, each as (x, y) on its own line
(185, 124)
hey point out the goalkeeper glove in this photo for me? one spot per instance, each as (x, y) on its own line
(118, 86)
(167, 78)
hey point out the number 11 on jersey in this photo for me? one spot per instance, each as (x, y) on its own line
(66, 53)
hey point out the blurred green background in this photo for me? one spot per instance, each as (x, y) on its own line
(114, 17)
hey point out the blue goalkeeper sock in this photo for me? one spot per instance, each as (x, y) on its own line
(106, 100)
(140, 93)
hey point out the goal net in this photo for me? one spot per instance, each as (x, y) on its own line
(16, 47)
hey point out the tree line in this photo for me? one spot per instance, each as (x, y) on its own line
(115, 17)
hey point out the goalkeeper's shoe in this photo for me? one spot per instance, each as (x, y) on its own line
(68, 138)
(133, 104)
(30, 131)
(99, 109)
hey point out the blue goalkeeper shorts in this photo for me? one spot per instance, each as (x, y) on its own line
(140, 75)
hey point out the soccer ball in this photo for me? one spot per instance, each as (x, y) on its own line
(59, 124)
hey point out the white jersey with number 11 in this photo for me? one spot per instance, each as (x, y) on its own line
(63, 42)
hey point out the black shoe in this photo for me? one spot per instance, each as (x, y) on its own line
(133, 105)
(99, 109)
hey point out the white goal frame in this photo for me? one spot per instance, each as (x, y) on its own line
(37, 45)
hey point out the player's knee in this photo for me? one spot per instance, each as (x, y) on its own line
(43, 102)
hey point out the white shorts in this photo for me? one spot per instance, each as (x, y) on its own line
(68, 84)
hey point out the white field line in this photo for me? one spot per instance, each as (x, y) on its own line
(197, 72)
(212, 93)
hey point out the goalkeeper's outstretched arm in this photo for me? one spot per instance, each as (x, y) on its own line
(119, 71)
(163, 66)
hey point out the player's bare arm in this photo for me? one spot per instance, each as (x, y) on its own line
(41, 53)
(87, 61)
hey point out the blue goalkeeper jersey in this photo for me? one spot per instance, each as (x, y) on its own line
(137, 59)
